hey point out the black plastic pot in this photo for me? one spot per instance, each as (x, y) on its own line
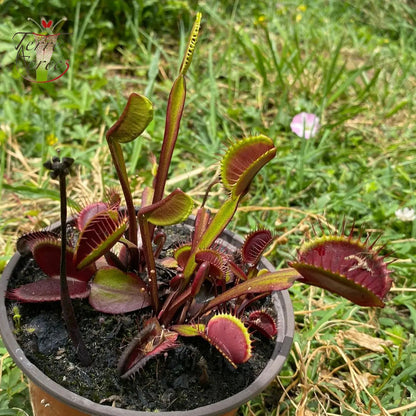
(51, 399)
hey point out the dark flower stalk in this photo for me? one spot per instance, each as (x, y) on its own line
(59, 170)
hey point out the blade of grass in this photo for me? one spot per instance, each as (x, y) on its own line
(33, 192)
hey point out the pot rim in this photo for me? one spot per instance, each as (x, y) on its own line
(283, 343)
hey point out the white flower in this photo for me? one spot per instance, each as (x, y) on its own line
(406, 214)
(305, 125)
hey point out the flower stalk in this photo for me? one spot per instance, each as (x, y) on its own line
(59, 170)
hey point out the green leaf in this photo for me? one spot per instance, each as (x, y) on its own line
(12, 412)
(136, 116)
(188, 330)
(219, 223)
(242, 162)
(30, 191)
(181, 254)
(174, 113)
(215, 228)
(187, 59)
(173, 209)
(113, 291)
(266, 282)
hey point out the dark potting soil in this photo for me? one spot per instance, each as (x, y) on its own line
(192, 375)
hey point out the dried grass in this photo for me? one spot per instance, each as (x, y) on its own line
(20, 214)
(345, 387)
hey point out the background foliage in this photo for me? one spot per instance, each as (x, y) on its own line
(256, 66)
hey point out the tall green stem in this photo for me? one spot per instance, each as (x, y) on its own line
(118, 160)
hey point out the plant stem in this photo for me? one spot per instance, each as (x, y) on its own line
(118, 160)
(150, 261)
(66, 304)
(301, 162)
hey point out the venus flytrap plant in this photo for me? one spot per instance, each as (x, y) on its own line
(205, 277)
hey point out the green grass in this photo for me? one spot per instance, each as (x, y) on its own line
(13, 388)
(257, 64)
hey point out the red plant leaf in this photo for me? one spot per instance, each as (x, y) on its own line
(47, 255)
(262, 322)
(26, 242)
(49, 290)
(202, 220)
(215, 228)
(215, 259)
(176, 281)
(254, 246)
(151, 341)
(230, 336)
(88, 212)
(236, 271)
(199, 278)
(346, 267)
(174, 111)
(101, 232)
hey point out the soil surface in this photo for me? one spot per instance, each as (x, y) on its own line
(192, 375)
